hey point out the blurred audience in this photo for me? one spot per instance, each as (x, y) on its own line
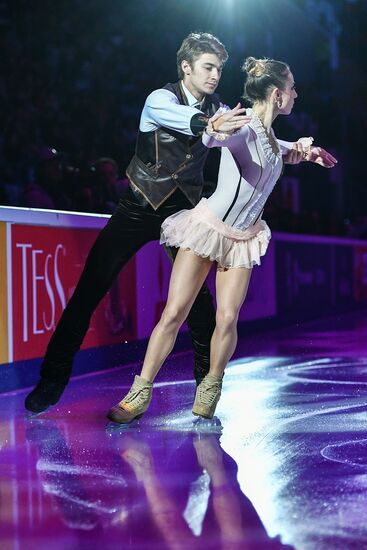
(47, 189)
(103, 189)
(64, 85)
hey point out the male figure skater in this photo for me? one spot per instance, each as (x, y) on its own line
(166, 175)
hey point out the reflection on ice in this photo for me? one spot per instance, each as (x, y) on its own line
(282, 463)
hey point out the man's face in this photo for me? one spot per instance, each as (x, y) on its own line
(202, 77)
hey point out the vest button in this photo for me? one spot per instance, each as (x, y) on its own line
(174, 176)
(188, 156)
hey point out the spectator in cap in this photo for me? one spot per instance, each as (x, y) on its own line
(47, 189)
(103, 191)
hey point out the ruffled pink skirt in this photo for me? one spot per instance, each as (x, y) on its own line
(202, 232)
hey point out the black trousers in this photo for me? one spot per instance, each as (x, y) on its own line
(129, 228)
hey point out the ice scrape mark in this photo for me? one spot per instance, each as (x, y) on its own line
(353, 453)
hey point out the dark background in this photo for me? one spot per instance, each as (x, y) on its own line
(75, 74)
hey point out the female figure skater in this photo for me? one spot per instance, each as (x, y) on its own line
(227, 229)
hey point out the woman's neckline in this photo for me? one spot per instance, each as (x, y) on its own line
(266, 138)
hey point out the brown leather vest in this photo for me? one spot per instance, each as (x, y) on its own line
(165, 159)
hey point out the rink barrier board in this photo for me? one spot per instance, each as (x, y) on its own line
(4, 352)
(301, 277)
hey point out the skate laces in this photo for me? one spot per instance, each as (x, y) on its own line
(208, 391)
(139, 395)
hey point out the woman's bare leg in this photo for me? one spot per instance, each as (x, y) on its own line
(188, 274)
(231, 290)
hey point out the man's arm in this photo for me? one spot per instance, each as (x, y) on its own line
(212, 138)
(162, 108)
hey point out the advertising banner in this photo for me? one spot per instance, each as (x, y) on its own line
(3, 297)
(46, 265)
(342, 281)
(360, 273)
(304, 272)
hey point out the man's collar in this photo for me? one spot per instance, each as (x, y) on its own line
(191, 100)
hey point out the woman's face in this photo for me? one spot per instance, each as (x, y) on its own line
(288, 95)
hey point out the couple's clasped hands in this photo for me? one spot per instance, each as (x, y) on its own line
(229, 122)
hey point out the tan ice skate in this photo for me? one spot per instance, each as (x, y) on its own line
(207, 396)
(134, 404)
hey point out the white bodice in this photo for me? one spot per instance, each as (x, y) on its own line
(248, 171)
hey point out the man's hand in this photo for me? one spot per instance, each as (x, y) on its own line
(228, 122)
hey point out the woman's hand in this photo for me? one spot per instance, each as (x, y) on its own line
(318, 155)
(294, 155)
(303, 150)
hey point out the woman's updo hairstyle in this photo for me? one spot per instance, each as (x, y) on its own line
(262, 75)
